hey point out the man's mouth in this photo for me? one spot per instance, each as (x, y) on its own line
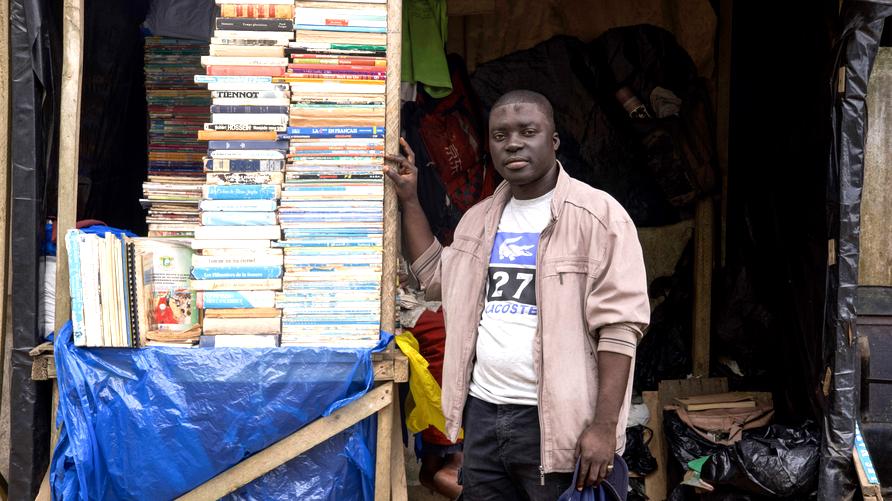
(516, 162)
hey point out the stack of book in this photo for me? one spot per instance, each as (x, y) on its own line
(176, 106)
(235, 268)
(130, 292)
(331, 210)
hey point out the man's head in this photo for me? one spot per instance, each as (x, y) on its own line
(523, 142)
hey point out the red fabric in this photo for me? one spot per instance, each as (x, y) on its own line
(430, 331)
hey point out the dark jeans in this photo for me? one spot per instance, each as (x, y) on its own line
(502, 455)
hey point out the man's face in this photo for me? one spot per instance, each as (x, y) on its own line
(523, 142)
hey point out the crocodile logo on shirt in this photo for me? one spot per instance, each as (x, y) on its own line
(509, 250)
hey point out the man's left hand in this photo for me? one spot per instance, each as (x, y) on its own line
(595, 450)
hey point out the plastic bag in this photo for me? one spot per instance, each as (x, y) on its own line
(154, 423)
(425, 391)
(636, 454)
(777, 461)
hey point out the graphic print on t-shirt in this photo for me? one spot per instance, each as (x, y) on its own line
(511, 285)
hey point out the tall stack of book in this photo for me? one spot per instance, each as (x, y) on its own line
(331, 210)
(176, 106)
(235, 268)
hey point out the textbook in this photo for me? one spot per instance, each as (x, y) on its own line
(245, 178)
(236, 271)
(231, 218)
(237, 285)
(250, 205)
(243, 165)
(272, 232)
(236, 299)
(239, 341)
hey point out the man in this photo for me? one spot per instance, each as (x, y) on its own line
(545, 299)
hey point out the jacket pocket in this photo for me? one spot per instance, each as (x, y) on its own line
(578, 265)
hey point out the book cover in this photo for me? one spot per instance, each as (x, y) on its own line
(166, 274)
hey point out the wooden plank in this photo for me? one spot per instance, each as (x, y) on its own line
(382, 455)
(703, 261)
(5, 176)
(398, 484)
(391, 146)
(69, 138)
(876, 202)
(672, 388)
(292, 446)
(723, 111)
(655, 484)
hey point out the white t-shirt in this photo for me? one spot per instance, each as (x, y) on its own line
(504, 371)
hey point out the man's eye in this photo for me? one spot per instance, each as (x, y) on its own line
(498, 137)
(529, 132)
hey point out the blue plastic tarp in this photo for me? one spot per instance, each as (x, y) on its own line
(154, 423)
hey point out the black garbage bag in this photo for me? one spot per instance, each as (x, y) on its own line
(637, 456)
(776, 461)
(684, 443)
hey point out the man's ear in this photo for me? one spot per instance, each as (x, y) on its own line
(556, 140)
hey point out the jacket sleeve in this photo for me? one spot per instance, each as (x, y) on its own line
(617, 309)
(427, 270)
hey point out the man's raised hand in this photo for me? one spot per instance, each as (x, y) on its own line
(403, 173)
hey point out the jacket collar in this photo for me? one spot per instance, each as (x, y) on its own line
(502, 195)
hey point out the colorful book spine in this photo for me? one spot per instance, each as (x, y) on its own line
(225, 108)
(253, 24)
(241, 192)
(334, 132)
(229, 218)
(260, 11)
(243, 165)
(236, 272)
(212, 300)
(72, 240)
(205, 79)
(272, 71)
(238, 205)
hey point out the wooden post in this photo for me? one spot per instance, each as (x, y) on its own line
(382, 454)
(69, 139)
(398, 484)
(293, 445)
(391, 146)
(704, 236)
(723, 112)
(4, 185)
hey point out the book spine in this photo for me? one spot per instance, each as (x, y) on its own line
(241, 192)
(223, 127)
(271, 232)
(243, 61)
(245, 178)
(236, 285)
(237, 259)
(245, 341)
(248, 145)
(281, 101)
(226, 108)
(236, 272)
(335, 132)
(246, 154)
(272, 71)
(240, 79)
(259, 11)
(250, 118)
(254, 24)
(210, 300)
(238, 205)
(243, 165)
(227, 218)
(250, 94)
(241, 41)
(337, 67)
(241, 326)
(352, 29)
(72, 240)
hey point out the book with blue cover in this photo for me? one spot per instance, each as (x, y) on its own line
(236, 272)
(241, 192)
(232, 218)
(236, 299)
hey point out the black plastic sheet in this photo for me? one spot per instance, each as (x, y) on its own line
(35, 70)
(855, 52)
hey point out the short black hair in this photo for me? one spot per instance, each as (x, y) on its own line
(528, 97)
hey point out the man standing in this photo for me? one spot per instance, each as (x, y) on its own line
(545, 300)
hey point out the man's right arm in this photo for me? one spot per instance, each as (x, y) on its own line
(417, 233)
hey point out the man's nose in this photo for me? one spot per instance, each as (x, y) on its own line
(513, 144)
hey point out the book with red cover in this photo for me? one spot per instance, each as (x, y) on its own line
(245, 71)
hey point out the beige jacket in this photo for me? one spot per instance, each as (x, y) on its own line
(591, 294)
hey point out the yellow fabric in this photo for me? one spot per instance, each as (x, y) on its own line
(423, 387)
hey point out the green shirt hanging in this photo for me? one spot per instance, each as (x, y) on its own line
(424, 42)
